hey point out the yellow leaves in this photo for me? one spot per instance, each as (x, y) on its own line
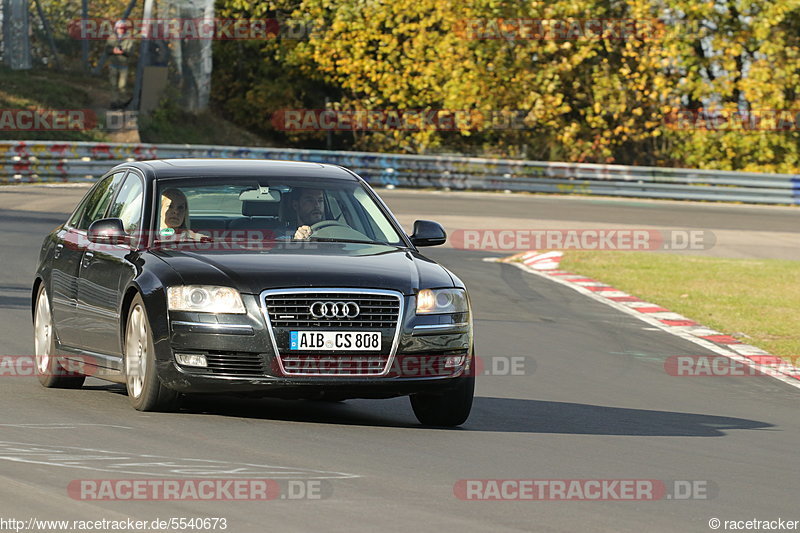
(339, 26)
(587, 99)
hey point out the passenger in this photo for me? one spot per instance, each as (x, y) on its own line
(175, 215)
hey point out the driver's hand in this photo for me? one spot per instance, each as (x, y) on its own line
(197, 237)
(303, 233)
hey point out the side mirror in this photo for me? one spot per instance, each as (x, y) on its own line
(428, 233)
(108, 231)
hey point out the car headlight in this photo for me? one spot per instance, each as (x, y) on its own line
(205, 299)
(438, 301)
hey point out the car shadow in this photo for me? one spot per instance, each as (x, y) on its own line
(115, 388)
(15, 302)
(505, 415)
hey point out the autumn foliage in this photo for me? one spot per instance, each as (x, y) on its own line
(676, 82)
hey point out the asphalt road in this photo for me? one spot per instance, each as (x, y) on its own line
(593, 402)
(734, 231)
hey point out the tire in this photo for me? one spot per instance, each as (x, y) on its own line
(448, 409)
(145, 391)
(48, 368)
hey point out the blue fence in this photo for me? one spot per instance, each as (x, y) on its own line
(29, 162)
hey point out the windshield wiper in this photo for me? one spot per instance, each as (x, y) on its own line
(351, 241)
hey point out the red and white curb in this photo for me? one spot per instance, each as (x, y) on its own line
(663, 319)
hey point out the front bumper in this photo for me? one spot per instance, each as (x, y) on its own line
(424, 359)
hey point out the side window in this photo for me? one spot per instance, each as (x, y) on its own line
(128, 203)
(379, 225)
(98, 201)
(76, 216)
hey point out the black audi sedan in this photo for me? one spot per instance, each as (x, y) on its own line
(271, 278)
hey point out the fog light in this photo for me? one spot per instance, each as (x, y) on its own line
(191, 359)
(454, 361)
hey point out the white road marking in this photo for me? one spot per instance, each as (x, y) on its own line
(662, 315)
(686, 334)
(615, 294)
(60, 426)
(150, 465)
(746, 349)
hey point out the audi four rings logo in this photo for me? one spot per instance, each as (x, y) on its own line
(335, 310)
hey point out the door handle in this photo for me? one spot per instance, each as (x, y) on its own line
(87, 258)
(57, 252)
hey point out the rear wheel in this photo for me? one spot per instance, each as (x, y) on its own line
(447, 409)
(145, 391)
(48, 369)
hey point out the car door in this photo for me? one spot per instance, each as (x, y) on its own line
(105, 267)
(66, 261)
(97, 206)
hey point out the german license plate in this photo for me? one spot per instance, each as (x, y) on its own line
(335, 340)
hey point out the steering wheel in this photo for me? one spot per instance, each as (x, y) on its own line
(322, 224)
(333, 229)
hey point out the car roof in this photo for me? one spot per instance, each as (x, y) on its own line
(245, 168)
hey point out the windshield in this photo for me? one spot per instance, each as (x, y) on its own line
(270, 209)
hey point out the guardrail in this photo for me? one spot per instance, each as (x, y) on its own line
(24, 162)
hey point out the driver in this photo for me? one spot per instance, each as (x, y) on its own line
(309, 204)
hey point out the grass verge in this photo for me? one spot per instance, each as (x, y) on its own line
(46, 89)
(755, 300)
(171, 124)
(50, 89)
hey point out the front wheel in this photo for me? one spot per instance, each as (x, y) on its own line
(48, 369)
(448, 409)
(145, 391)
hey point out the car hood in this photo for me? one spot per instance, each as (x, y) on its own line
(320, 265)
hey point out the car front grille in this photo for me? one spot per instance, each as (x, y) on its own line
(334, 365)
(290, 310)
(293, 311)
(238, 364)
